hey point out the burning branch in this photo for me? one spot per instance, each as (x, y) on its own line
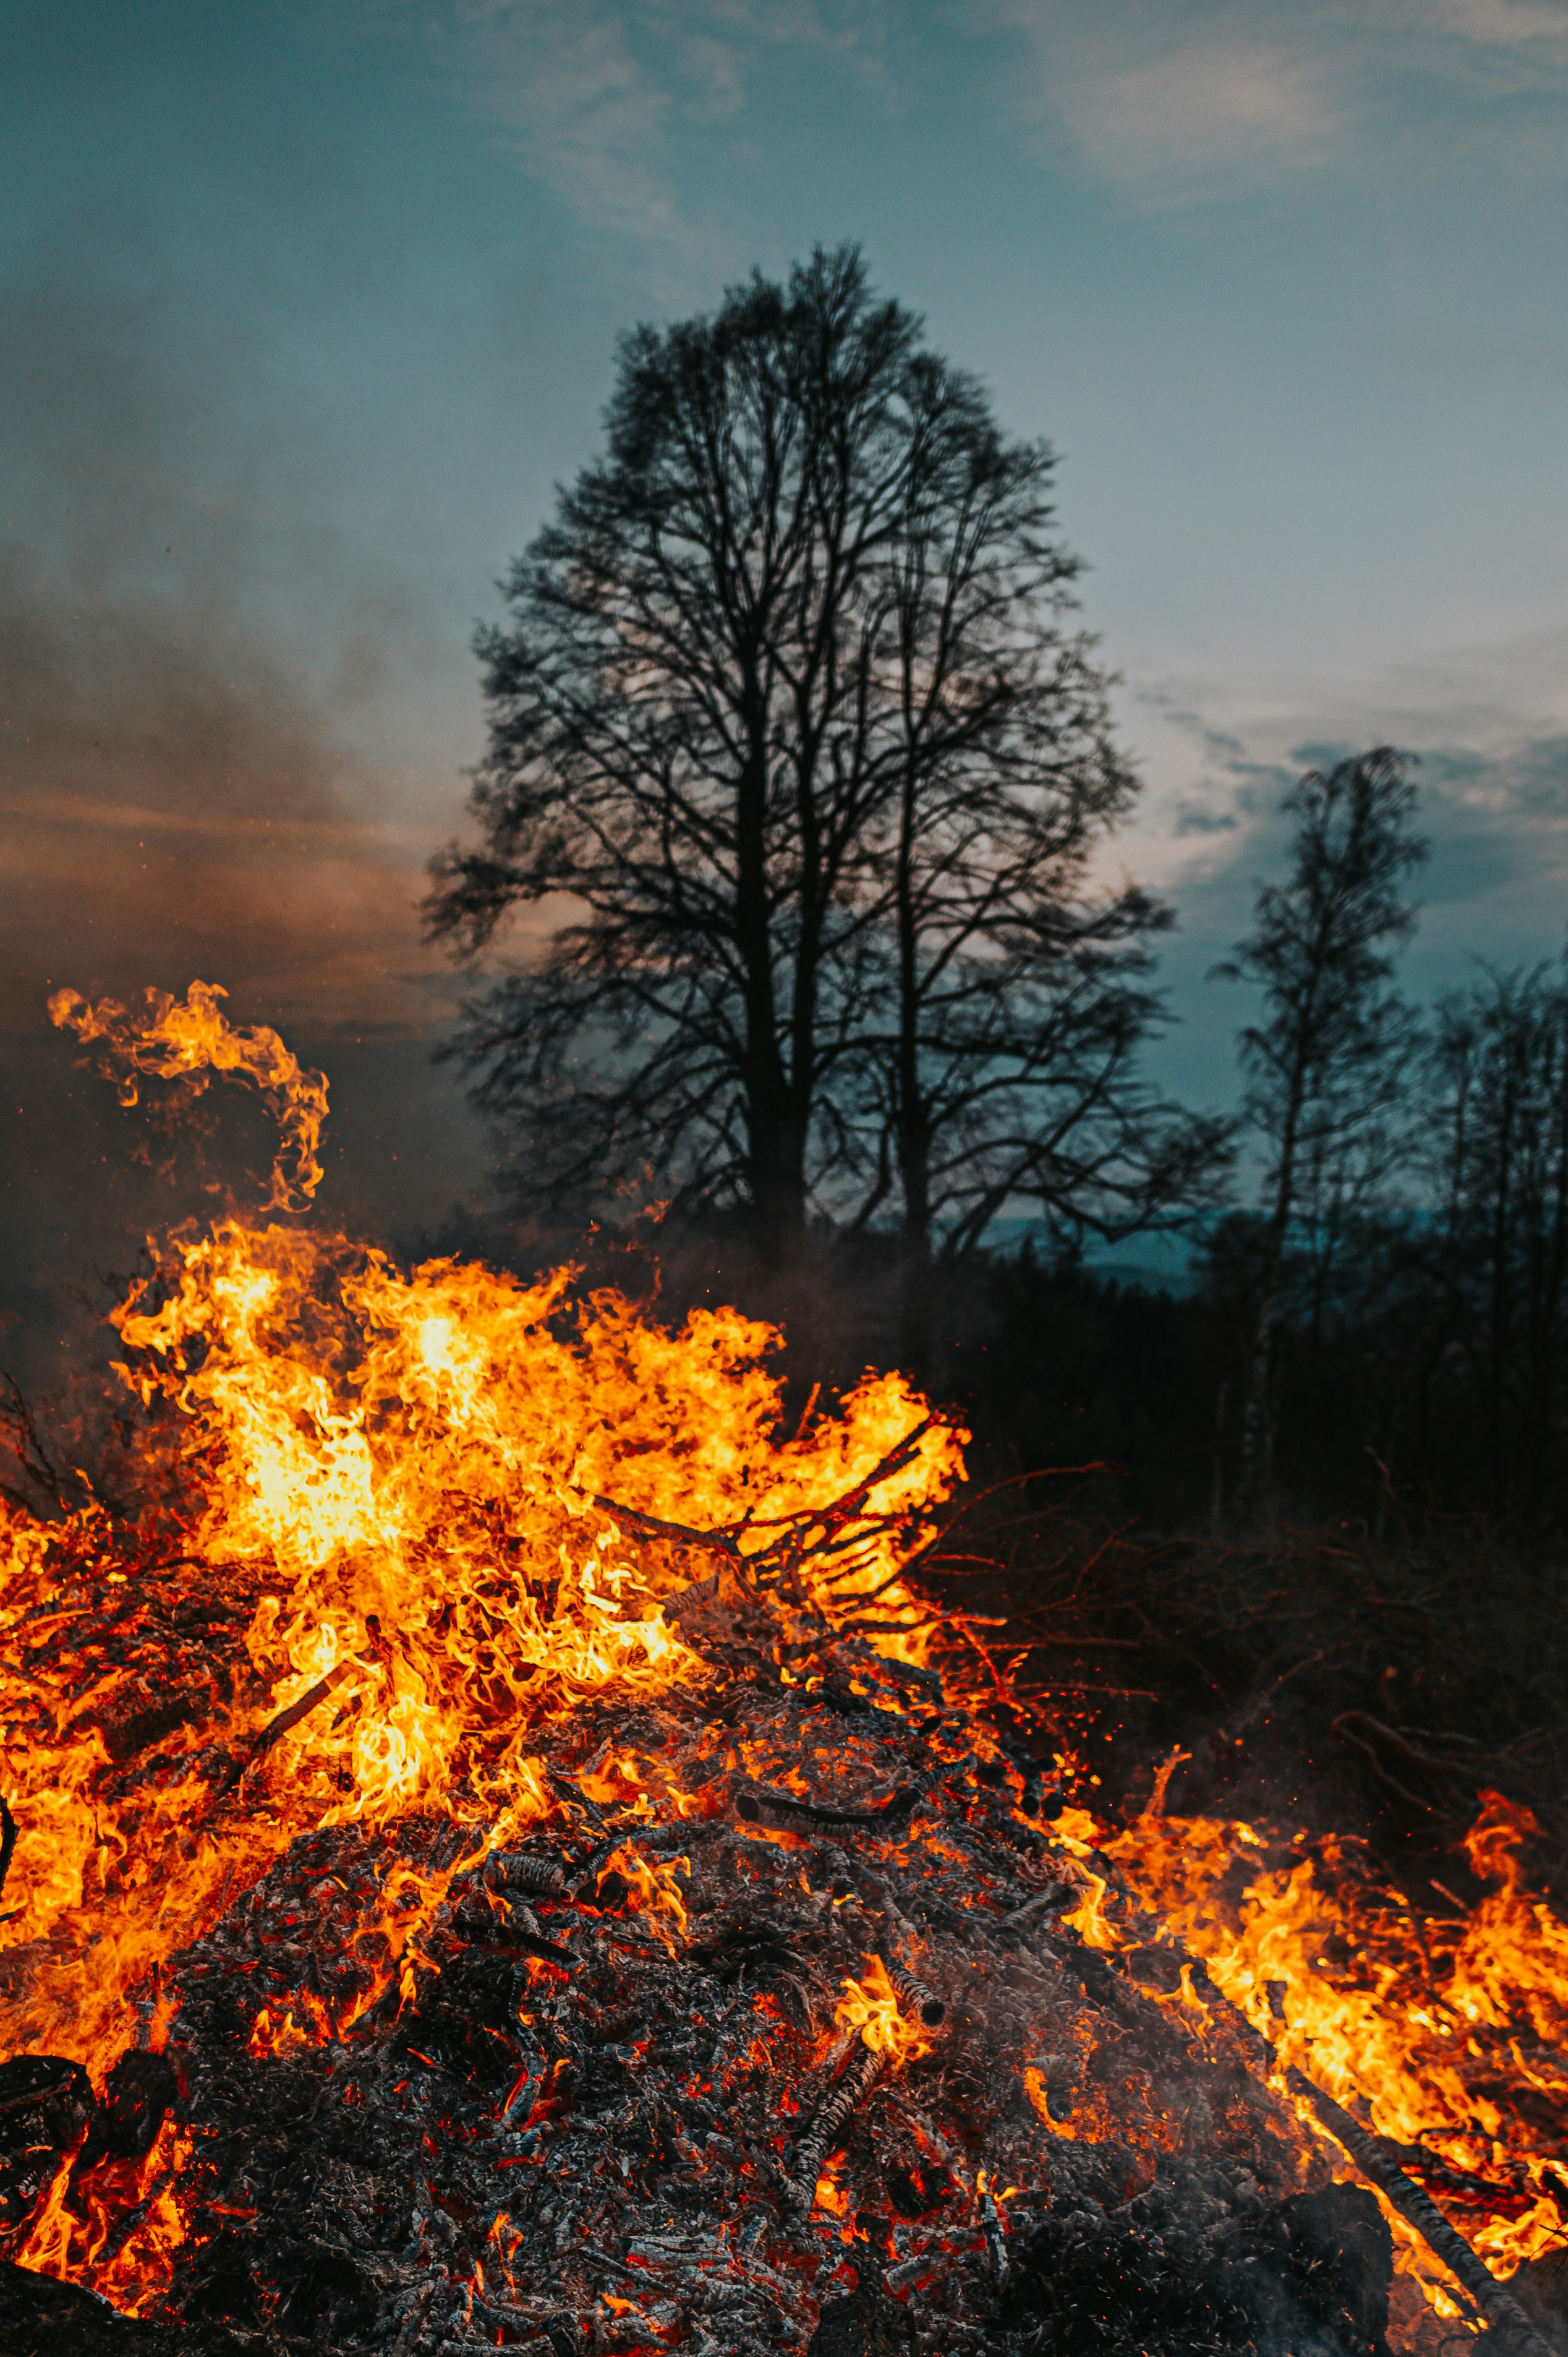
(814, 1534)
(1373, 2155)
(757, 1804)
(1377, 2163)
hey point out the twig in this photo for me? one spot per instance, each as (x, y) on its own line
(854, 2088)
(1373, 2158)
(276, 1728)
(757, 1805)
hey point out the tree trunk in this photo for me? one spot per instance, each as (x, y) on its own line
(914, 1134)
(776, 1145)
(1257, 1433)
(1501, 1305)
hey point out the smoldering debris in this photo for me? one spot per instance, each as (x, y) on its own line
(666, 2075)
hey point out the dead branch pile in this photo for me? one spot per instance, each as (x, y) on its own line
(610, 2106)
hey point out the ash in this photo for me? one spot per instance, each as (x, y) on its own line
(614, 2104)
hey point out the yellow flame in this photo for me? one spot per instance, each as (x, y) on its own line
(871, 2006)
(1385, 2029)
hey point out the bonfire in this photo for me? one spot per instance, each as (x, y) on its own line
(505, 1851)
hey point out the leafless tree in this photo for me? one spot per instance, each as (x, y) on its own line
(1328, 1060)
(1008, 998)
(1500, 1144)
(793, 738)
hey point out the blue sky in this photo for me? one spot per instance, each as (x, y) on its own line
(304, 305)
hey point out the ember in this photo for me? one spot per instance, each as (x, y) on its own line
(514, 1861)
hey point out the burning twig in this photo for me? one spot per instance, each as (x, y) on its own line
(512, 1869)
(926, 2002)
(852, 2090)
(757, 1804)
(277, 1728)
(1374, 2159)
(809, 1531)
(1054, 1895)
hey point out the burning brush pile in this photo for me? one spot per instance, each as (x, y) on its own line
(508, 1859)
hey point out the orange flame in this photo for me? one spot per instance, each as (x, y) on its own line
(1404, 2019)
(871, 2006)
(653, 1888)
(190, 1037)
(395, 1481)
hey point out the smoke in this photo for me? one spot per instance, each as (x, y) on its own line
(198, 657)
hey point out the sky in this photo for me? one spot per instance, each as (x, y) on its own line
(306, 305)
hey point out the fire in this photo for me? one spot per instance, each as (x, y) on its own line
(190, 1037)
(127, 2270)
(871, 2008)
(428, 1512)
(1415, 2022)
(652, 1888)
(288, 2036)
(443, 1506)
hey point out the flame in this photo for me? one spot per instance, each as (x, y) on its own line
(190, 1037)
(871, 2006)
(652, 1890)
(395, 1484)
(1036, 2088)
(288, 2036)
(1409, 2020)
(1087, 1918)
(77, 2243)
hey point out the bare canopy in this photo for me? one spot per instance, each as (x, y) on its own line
(788, 725)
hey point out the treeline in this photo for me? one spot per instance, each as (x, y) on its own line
(1423, 1307)
(799, 757)
(1385, 1336)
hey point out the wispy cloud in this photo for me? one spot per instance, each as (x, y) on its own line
(1489, 728)
(609, 102)
(1176, 105)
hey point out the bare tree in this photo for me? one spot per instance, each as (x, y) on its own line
(1328, 1062)
(1499, 1063)
(1008, 1000)
(799, 636)
(688, 743)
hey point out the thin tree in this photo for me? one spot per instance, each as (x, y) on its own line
(1327, 1064)
(1499, 1063)
(799, 630)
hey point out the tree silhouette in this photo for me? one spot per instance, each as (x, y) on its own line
(790, 733)
(1327, 1064)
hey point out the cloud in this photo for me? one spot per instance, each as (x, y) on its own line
(1180, 105)
(1489, 728)
(1195, 818)
(606, 101)
(186, 644)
